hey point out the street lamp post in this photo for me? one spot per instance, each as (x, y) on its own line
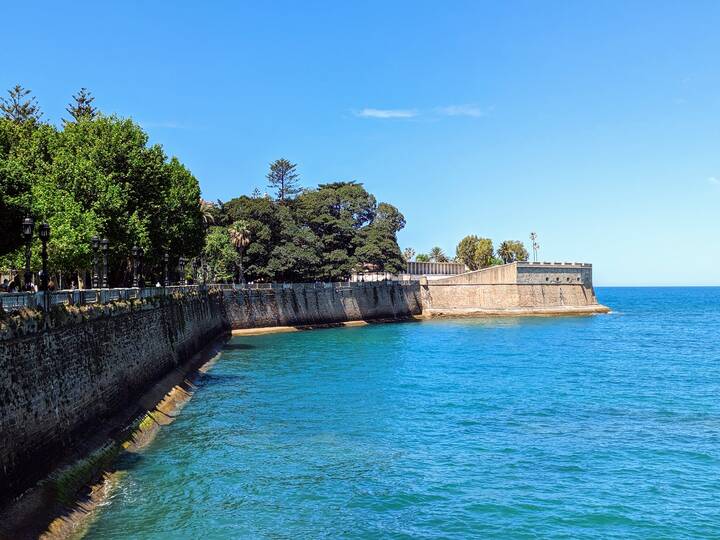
(135, 261)
(181, 270)
(95, 243)
(141, 254)
(105, 246)
(166, 277)
(27, 233)
(44, 233)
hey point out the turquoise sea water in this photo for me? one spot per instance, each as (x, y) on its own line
(585, 427)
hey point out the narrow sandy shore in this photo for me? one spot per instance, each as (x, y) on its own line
(346, 324)
(517, 312)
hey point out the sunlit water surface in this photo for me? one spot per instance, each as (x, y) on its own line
(584, 427)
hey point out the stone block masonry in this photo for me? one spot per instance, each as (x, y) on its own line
(519, 288)
(64, 373)
(308, 304)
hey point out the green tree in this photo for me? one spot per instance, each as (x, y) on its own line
(263, 220)
(379, 245)
(207, 213)
(23, 159)
(239, 234)
(484, 253)
(438, 255)
(475, 252)
(465, 251)
(81, 106)
(284, 179)
(20, 108)
(408, 254)
(138, 195)
(511, 251)
(219, 255)
(296, 256)
(422, 257)
(336, 213)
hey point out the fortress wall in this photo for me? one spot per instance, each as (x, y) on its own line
(447, 298)
(307, 304)
(554, 273)
(518, 287)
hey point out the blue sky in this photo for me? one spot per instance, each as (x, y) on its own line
(597, 126)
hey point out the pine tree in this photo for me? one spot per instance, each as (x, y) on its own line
(284, 179)
(18, 108)
(82, 107)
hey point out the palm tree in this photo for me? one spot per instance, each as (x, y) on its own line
(438, 255)
(505, 252)
(408, 254)
(240, 237)
(206, 210)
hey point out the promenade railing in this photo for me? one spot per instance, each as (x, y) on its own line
(16, 301)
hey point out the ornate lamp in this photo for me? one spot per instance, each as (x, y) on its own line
(181, 270)
(105, 247)
(28, 225)
(44, 234)
(95, 244)
(135, 260)
(166, 277)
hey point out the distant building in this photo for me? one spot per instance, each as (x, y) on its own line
(435, 270)
(413, 271)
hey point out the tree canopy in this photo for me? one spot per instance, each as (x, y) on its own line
(95, 176)
(18, 107)
(98, 175)
(284, 179)
(438, 255)
(81, 106)
(511, 251)
(475, 252)
(324, 233)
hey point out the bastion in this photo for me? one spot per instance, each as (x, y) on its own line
(518, 288)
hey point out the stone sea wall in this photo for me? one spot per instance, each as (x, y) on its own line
(516, 288)
(63, 374)
(308, 304)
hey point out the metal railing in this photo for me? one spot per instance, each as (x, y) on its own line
(16, 301)
(79, 297)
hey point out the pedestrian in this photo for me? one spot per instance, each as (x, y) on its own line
(15, 285)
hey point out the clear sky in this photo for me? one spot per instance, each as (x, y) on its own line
(597, 125)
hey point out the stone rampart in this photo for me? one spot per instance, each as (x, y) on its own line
(515, 288)
(307, 304)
